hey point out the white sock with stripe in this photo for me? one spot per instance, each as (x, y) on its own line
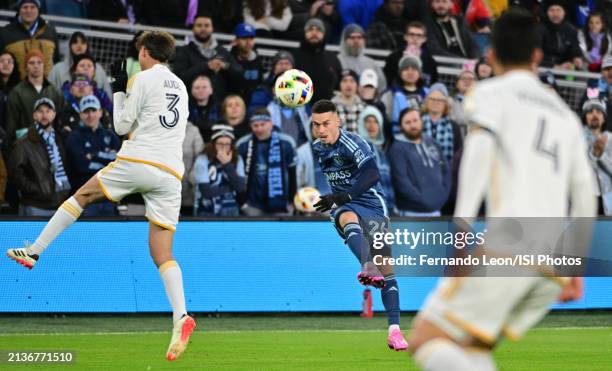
(63, 218)
(173, 282)
(443, 355)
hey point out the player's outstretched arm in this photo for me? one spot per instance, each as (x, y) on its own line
(475, 171)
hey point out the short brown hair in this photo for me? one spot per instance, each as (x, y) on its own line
(160, 45)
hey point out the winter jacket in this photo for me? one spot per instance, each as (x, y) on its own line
(252, 73)
(101, 145)
(190, 62)
(113, 10)
(429, 73)
(359, 63)
(421, 177)
(30, 171)
(559, 43)
(437, 41)
(192, 147)
(20, 106)
(322, 66)
(360, 12)
(16, 39)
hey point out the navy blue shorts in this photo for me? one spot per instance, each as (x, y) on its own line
(372, 217)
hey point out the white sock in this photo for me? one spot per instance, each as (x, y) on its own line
(442, 355)
(393, 328)
(481, 359)
(173, 282)
(63, 218)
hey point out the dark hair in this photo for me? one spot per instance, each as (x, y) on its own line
(14, 78)
(515, 37)
(604, 30)
(78, 36)
(160, 45)
(78, 58)
(416, 24)
(133, 52)
(210, 150)
(258, 7)
(406, 111)
(323, 106)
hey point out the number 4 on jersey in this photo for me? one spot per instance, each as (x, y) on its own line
(173, 101)
(552, 151)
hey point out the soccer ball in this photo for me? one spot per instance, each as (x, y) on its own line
(293, 88)
(305, 198)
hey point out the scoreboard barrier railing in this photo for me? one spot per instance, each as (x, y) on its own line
(228, 266)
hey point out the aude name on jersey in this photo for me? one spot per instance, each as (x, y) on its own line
(170, 84)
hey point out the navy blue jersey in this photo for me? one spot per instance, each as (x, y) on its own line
(341, 163)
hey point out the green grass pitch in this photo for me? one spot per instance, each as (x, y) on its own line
(568, 341)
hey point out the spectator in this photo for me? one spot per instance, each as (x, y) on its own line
(483, 70)
(326, 11)
(559, 39)
(352, 55)
(387, 28)
(85, 64)
(203, 110)
(421, 177)
(269, 17)
(79, 87)
(9, 78)
(600, 88)
(415, 39)
(448, 35)
(29, 31)
(465, 81)
(322, 66)
(600, 151)
(89, 148)
(226, 13)
(37, 164)
(410, 91)
(219, 176)
(204, 55)
(368, 89)
(132, 65)
(594, 41)
(359, 12)
(263, 94)
(244, 53)
(348, 102)
(60, 73)
(192, 147)
(119, 11)
(270, 161)
(370, 127)
(437, 124)
(21, 99)
(233, 113)
(294, 122)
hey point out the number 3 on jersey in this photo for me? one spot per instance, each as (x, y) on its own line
(173, 101)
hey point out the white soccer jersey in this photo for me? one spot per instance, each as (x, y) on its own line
(531, 158)
(154, 112)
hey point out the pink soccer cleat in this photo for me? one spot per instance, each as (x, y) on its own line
(396, 341)
(369, 280)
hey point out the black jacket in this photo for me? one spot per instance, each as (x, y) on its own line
(252, 74)
(559, 43)
(322, 66)
(189, 63)
(430, 67)
(166, 13)
(29, 171)
(113, 10)
(437, 42)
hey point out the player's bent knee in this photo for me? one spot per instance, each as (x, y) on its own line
(347, 217)
(89, 192)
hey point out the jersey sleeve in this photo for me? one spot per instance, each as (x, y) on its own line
(128, 105)
(358, 150)
(480, 108)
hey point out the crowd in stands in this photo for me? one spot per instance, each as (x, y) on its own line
(247, 154)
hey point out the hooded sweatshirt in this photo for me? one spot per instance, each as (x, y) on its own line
(359, 62)
(377, 145)
(322, 66)
(421, 177)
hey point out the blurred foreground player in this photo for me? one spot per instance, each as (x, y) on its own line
(154, 113)
(524, 151)
(356, 203)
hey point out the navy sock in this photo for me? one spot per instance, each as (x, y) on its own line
(390, 299)
(356, 241)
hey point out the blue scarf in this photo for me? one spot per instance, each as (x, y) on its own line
(277, 198)
(57, 165)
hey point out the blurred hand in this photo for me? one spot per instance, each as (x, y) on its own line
(578, 63)
(123, 21)
(572, 291)
(224, 157)
(327, 9)
(216, 65)
(600, 145)
(314, 8)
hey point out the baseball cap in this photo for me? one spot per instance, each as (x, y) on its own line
(44, 101)
(244, 30)
(368, 78)
(607, 62)
(89, 102)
